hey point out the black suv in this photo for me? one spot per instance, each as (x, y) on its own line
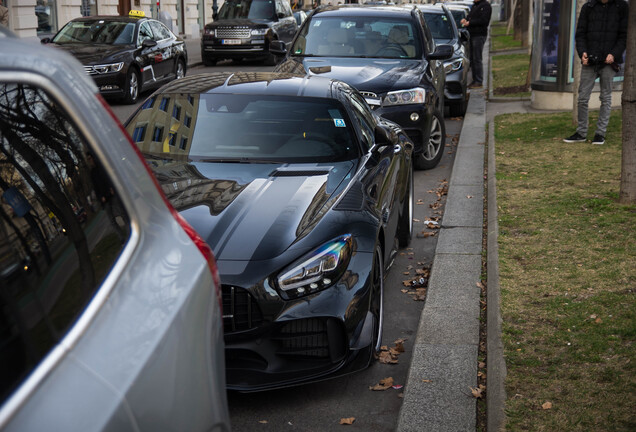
(389, 55)
(245, 28)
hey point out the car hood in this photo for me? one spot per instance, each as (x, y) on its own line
(93, 54)
(252, 211)
(376, 75)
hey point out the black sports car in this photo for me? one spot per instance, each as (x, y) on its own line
(389, 55)
(303, 194)
(124, 55)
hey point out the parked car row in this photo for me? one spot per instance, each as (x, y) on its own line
(210, 242)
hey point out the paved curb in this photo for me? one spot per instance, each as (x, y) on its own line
(444, 365)
(496, 365)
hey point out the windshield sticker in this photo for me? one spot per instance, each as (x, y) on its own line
(339, 123)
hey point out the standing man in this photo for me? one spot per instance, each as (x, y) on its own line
(4, 14)
(477, 22)
(601, 36)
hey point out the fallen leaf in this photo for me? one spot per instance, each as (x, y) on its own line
(547, 406)
(481, 365)
(386, 357)
(347, 421)
(262, 421)
(480, 285)
(426, 381)
(478, 392)
(469, 196)
(404, 290)
(406, 273)
(384, 384)
(598, 320)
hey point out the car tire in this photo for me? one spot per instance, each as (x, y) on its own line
(376, 304)
(180, 69)
(457, 108)
(433, 147)
(405, 225)
(132, 87)
(208, 61)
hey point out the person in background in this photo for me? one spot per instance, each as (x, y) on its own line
(4, 14)
(601, 38)
(477, 22)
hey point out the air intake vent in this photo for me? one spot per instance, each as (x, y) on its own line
(240, 310)
(353, 200)
(307, 338)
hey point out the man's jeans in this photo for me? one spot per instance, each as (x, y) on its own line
(476, 66)
(588, 76)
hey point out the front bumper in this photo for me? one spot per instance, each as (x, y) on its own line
(111, 84)
(417, 130)
(272, 343)
(456, 84)
(213, 48)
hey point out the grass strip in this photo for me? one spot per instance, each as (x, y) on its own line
(567, 254)
(510, 74)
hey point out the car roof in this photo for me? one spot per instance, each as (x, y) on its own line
(438, 8)
(111, 18)
(364, 10)
(264, 83)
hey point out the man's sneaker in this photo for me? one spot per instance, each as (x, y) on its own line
(577, 137)
(598, 139)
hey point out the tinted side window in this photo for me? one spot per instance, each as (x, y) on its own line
(62, 228)
(144, 33)
(160, 31)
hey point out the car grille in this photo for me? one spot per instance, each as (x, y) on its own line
(304, 338)
(232, 33)
(240, 310)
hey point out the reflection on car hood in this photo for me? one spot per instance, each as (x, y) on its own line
(94, 53)
(376, 75)
(251, 211)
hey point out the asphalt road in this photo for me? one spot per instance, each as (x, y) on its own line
(321, 406)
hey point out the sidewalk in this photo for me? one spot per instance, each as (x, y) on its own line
(445, 360)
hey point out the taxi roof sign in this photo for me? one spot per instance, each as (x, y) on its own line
(137, 14)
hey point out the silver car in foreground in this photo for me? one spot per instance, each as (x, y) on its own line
(110, 316)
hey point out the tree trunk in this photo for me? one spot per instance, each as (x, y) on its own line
(576, 71)
(628, 101)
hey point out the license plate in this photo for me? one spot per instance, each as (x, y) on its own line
(230, 41)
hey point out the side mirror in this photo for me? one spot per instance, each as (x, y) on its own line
(464, 36)
(382, 136)
(149, 43)
(215, 16)
(280, 15)
(45, 40)
(278, 47)
(442, 52)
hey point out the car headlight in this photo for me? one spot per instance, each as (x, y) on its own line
(405, 97)
(454, 65)
(114, 67)
(259, 32)
(317, 270)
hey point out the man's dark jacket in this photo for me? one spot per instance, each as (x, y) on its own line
(479, 18)
(602, 29)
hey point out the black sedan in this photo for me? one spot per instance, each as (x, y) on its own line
(124, 55)
(444, 30)
(389, 55)
(304, 195)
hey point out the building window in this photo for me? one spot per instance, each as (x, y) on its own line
(46, 13)
(184, 143)
(187, 121)
(163, 106)
(149, 103)
(173, 137)
(176, 112)
(157, 134)
(139, 133)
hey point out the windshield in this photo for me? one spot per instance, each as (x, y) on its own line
(358, 37)
(440, 26)
(251, 9)
(96, 32)
(243, 128)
